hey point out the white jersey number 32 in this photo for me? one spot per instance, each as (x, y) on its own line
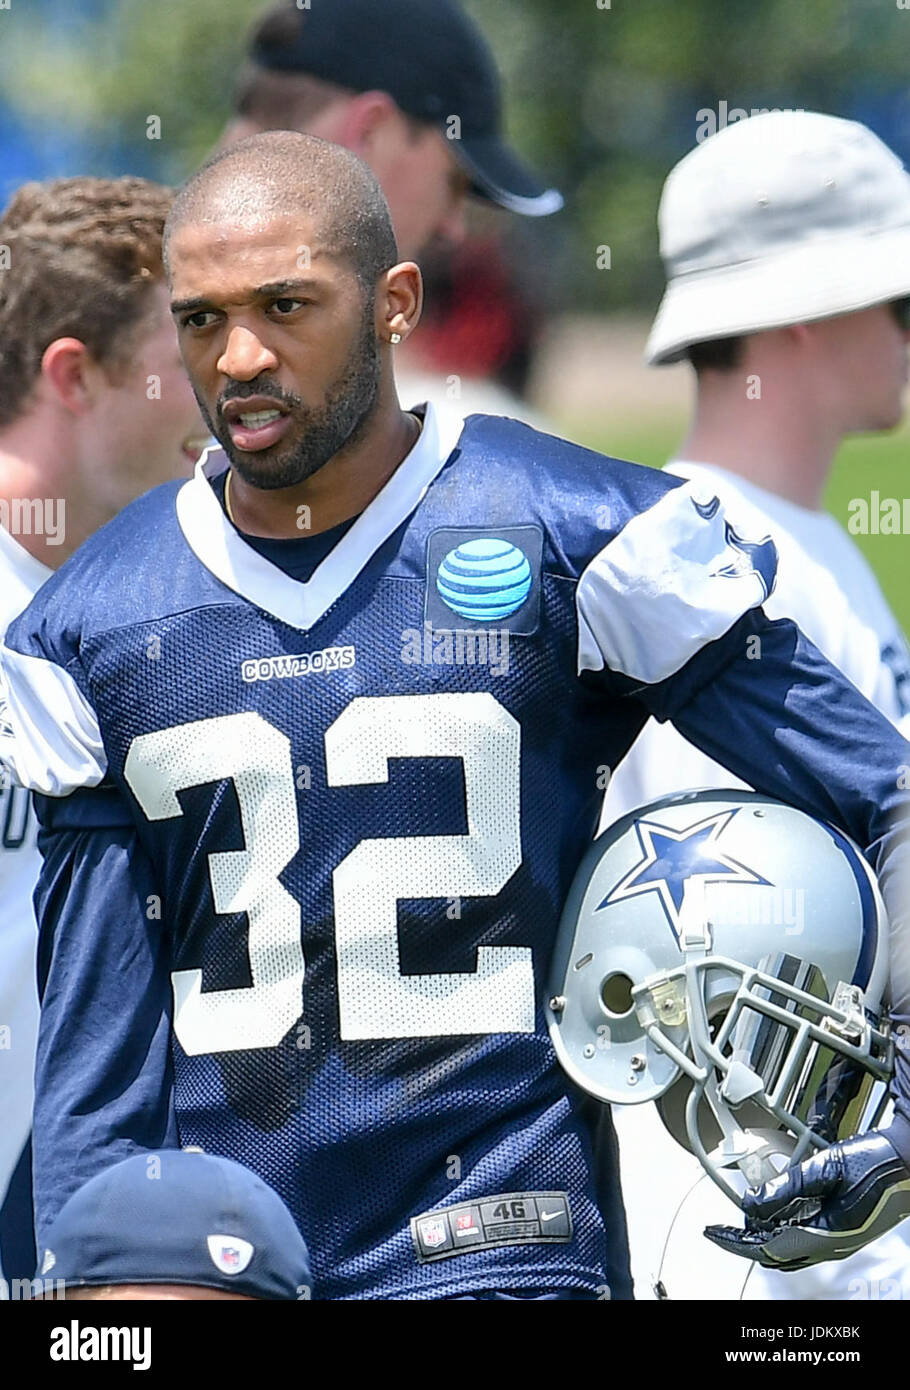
(375, 999)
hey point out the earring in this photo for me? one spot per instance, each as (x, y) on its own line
(395, 339)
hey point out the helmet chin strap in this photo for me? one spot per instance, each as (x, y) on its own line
(658, 1285)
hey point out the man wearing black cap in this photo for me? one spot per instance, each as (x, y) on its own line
(418, 99)
(177, 1224)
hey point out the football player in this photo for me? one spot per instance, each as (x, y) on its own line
(319, 736)
(96, 408)
(795, 345)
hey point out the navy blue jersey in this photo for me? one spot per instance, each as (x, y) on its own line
(307, 843)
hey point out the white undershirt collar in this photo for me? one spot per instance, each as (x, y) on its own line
(301, 604)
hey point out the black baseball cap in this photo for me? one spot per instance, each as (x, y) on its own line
(178, 1217)
(428, 55)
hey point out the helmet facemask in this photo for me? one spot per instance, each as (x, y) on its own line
(770, 1071)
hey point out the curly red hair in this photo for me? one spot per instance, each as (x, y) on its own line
(78, 258)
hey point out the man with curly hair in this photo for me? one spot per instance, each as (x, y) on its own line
(95, 410)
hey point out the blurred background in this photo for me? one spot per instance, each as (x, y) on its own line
(603, 98)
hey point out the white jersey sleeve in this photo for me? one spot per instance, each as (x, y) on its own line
(661, 761)
(49, 735)
(678, 577)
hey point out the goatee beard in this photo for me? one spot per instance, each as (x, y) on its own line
(349, 405)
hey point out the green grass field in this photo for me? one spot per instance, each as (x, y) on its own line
(864, 464)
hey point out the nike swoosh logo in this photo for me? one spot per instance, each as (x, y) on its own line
(549, 1215)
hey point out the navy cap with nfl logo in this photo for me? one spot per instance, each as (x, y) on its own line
(431, 58)
(178, 1217)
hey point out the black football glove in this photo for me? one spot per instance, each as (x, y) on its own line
(825, 1208)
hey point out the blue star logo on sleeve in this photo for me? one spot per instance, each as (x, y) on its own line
(752, 557)
(672, 858)
(708, 510)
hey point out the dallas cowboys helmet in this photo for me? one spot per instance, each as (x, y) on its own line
(726, 956)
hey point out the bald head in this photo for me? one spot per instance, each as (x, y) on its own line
(280, 173)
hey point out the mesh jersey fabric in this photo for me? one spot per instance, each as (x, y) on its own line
(348, 854)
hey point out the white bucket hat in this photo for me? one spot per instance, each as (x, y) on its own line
(780, 218)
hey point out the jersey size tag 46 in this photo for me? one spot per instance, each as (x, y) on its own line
(509, 1218)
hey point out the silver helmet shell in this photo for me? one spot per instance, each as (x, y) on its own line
(726, 956)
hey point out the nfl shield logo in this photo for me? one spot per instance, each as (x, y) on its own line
(230, 1254)
(433, 1232)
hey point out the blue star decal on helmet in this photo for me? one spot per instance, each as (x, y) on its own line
(752, 557)
(672, 858)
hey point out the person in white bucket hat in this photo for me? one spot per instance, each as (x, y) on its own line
(786, 241)
(784, 218)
